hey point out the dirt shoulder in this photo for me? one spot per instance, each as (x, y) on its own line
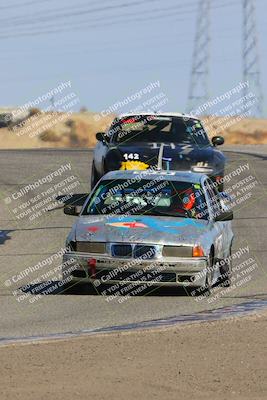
(219, 360)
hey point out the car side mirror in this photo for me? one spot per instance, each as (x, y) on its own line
(100, 136)
(225, 216)
(71, 210)
(217, 140)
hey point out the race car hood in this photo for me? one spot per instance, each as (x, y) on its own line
(140, 229)
(179, 156)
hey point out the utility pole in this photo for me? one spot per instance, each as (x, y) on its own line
(251, 64)
(199, 84)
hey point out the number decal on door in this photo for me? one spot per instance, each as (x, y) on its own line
(131, 156)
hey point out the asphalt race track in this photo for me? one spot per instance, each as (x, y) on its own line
(25, 242)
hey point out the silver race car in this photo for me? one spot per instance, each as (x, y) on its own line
(167, 228)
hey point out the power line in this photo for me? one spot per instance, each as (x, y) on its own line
(150, 11)
(103, 19)
(74, 12)
(20, 5)
(31, 17)
(17, 5)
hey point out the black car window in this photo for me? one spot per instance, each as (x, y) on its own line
(149, 129)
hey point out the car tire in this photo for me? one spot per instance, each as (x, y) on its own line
(226, 272)
(208, 282)
(205, 290)
(66, 288)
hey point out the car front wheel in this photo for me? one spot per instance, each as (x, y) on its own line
(226, 271)
(209, 276)
(206, 289)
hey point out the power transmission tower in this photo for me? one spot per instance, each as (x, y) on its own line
(198, 91)
(251, 69)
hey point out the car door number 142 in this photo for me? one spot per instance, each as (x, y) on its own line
(131, 156)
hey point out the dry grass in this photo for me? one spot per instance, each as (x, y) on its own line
(78, 130)
(246, 131)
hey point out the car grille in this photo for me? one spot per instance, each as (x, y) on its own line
(135, 251)
(121, 250)
(144, 252)
(135, 276)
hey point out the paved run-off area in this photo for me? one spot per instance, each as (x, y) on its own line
(30, 236)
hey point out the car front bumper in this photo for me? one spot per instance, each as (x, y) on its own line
(84, 267)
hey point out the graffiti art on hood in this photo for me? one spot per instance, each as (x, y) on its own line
(156, 224)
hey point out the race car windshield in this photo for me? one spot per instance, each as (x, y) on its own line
(147, 197)
(151, 129)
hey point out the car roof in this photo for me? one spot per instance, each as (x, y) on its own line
(162, 114)
(180, 176)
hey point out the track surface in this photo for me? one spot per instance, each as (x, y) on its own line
(24, 244)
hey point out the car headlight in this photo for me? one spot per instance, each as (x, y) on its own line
(177, 251)
(91, 247)
(183, 251)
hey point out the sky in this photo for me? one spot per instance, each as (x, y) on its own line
(110, 49)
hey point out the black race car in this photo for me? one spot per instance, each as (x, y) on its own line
(164, 141)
